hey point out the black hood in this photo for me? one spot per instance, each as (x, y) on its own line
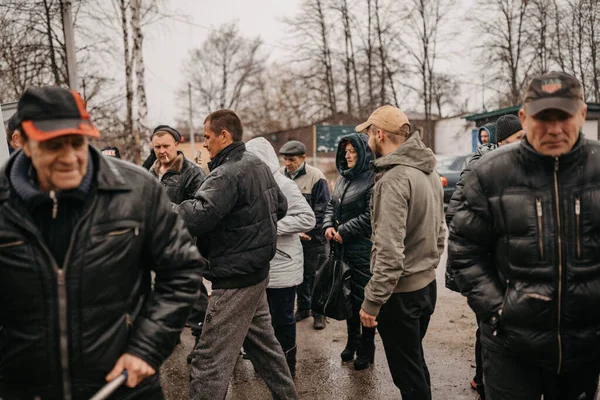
(360, 141)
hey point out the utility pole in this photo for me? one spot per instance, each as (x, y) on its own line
(67, 21)
(191, 127)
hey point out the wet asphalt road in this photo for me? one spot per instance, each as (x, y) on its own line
(321, 374)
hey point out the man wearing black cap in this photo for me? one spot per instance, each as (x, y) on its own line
(180, 177)
(524, 250)
(313, 185)
(79, 236)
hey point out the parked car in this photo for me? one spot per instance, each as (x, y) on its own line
(449, 166)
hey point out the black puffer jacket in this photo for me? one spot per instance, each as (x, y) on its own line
(455, 202)
(349, 213)
(182, 180)
(234, 215)
(65, 327)
(524, 250)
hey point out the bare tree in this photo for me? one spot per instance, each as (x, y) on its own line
(424, 19)
(311, 34)
(221, 70)
(138, 60)
(128, 123)
(503, 49)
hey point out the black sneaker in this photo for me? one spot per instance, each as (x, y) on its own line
(301, 314)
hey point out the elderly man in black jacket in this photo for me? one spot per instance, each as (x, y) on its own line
(234, 215)
(79, 236)
(524, 250)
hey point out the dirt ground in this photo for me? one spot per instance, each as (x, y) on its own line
(322, 375)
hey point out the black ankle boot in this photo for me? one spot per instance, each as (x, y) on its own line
(366, 351)
(290, 357)
(353, 340)
(348, 353)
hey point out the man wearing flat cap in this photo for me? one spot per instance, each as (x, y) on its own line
(524, 250)
(314, 187)
(407, 217)
(79, 236)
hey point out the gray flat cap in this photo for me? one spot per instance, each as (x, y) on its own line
(293, 148)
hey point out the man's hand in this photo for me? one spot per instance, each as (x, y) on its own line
(367, 320)
(330, 233)
(304, 237)
(137, 370)
(338, 238)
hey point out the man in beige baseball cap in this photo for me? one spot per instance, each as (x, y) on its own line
(387, 127)
(408, 238)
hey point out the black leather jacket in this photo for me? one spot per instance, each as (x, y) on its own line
(234, 216)
(183, 179)
(66, 326)
(524, 250)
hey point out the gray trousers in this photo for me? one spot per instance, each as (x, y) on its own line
(236, 318)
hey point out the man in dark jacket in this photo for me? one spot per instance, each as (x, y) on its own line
(79, 236)
(314, 187)
(180, 177)
(524, 252)
(234, 215)
(508, 130)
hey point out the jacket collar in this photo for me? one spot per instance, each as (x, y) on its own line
(108, 176)
(175, 168)
(296, 174)
(527, 150)
(225, 154)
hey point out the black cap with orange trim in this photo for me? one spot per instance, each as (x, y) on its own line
(49, 112)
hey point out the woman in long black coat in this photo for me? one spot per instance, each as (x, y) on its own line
(348, 225)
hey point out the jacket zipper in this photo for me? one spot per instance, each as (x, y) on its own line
(538, 206)
(12, 244)
(577, 214)
(54, 204)
(62, 305)
(556, 193)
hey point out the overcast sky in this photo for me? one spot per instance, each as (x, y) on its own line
(167, 44)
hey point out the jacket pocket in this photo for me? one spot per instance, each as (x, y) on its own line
(540, 224)
(118, 228)
(578, 225)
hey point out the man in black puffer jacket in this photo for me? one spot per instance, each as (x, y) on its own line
(79, 236)
(236, 211)
(524, 251)
(508, 130)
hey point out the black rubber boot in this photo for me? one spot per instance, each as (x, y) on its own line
(290, 357)
(366, 351)
(353, 340)
(319, 322)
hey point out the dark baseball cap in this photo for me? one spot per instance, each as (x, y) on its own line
(49, 112)
(554, 90)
